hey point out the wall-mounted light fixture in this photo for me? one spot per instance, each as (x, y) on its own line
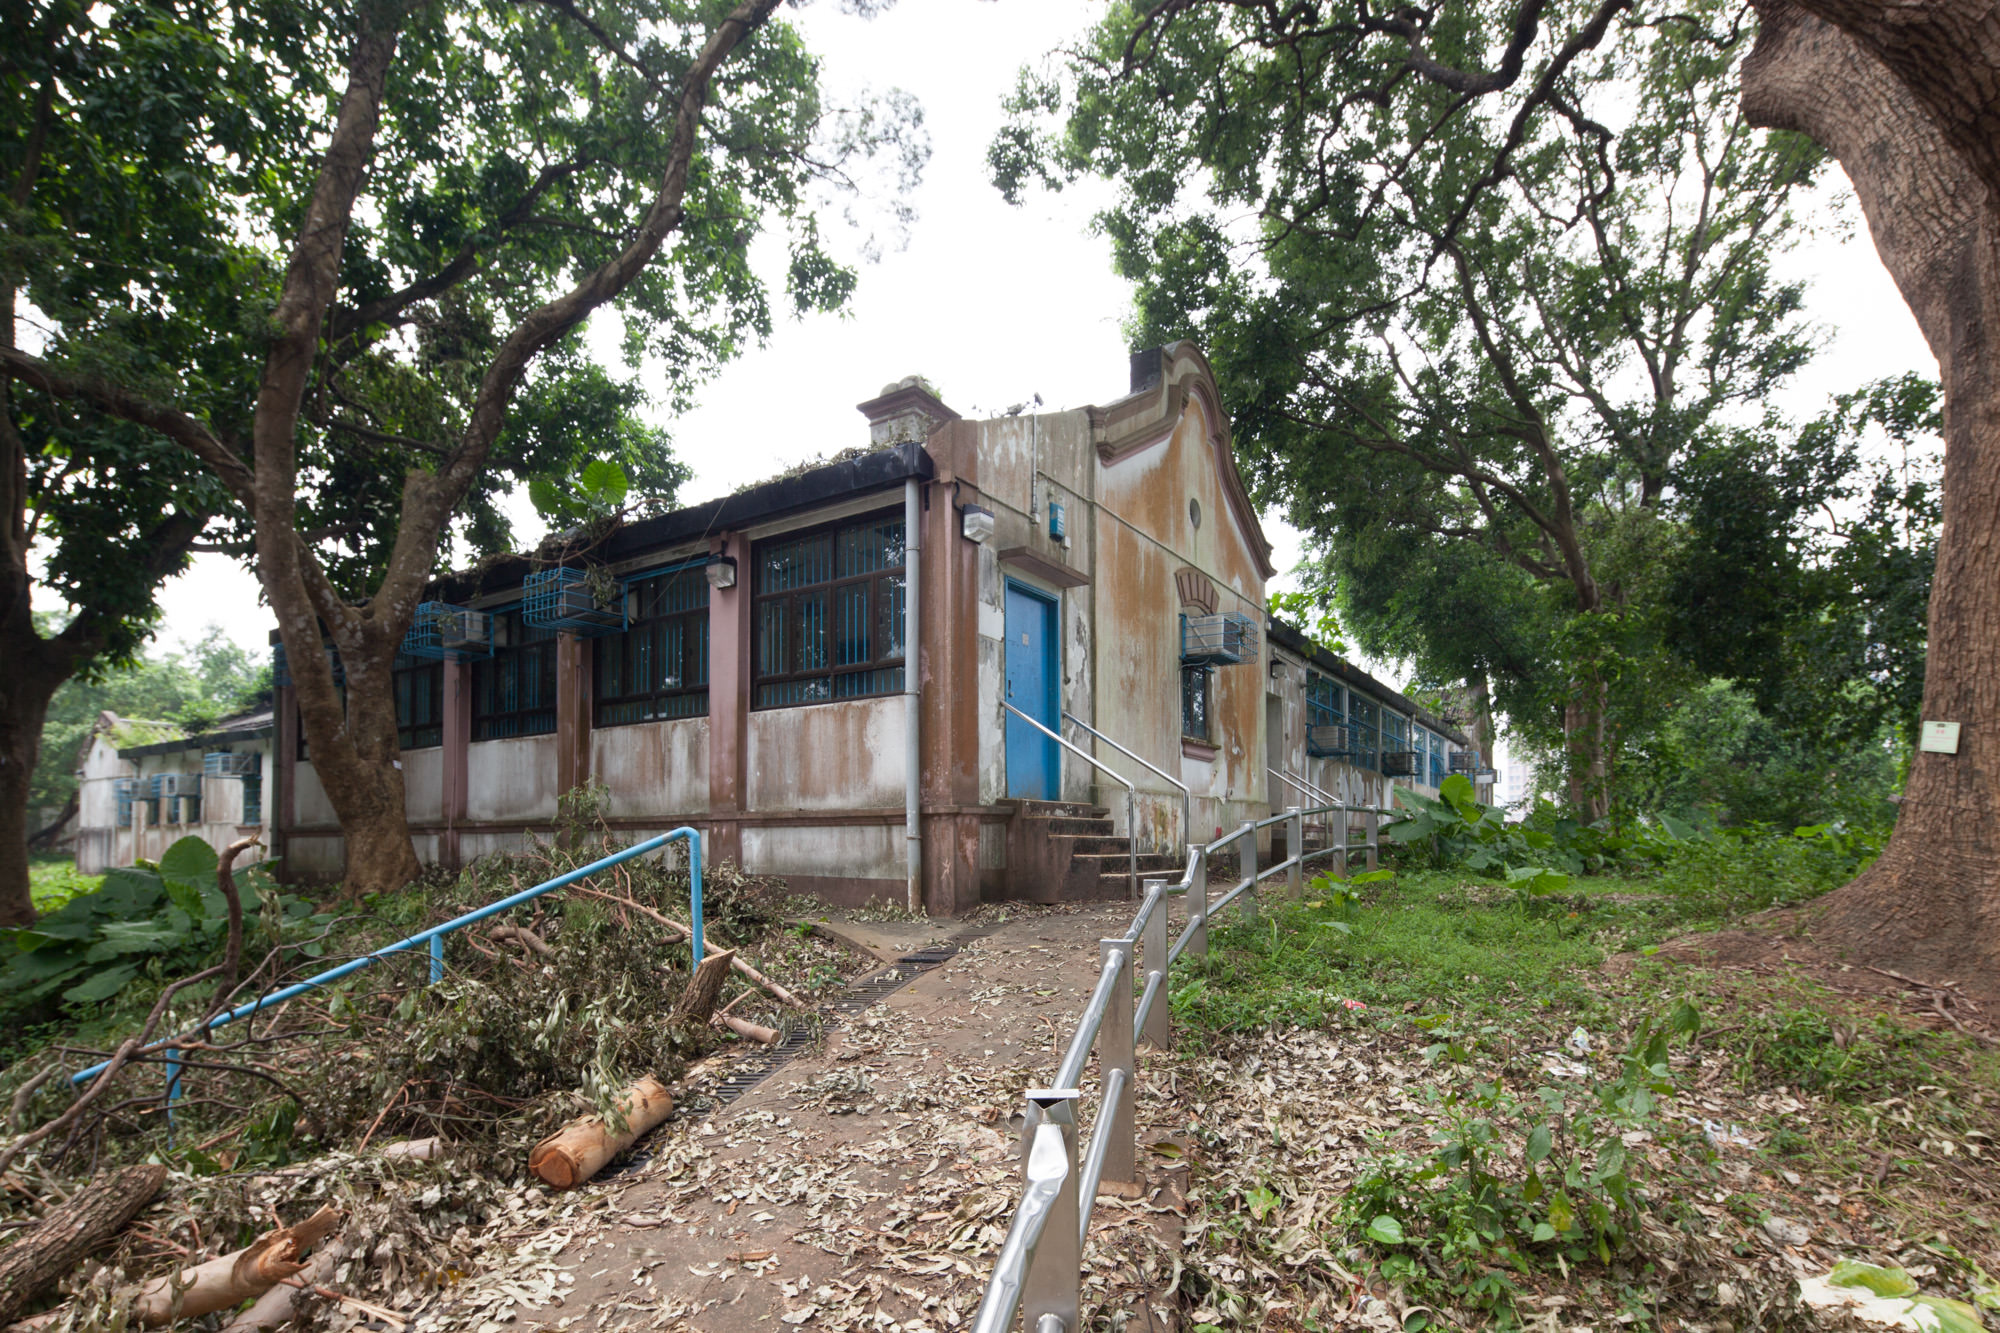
(976, 524)
(721, 572)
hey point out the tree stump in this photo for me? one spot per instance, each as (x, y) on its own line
(92, 1216)
(697, 1003)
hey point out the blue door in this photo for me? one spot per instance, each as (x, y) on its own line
(1034, 764)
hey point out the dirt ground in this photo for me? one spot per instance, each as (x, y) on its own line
(866, 1184)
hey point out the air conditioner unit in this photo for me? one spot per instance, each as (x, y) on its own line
(563, 598)
(1329, 741)
(1228, 639)
(443, 630)
(1399, 763)
(1464, 761)
(224, 764)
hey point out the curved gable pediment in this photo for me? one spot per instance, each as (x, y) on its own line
(1164, 381)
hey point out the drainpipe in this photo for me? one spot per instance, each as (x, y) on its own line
(913, 549)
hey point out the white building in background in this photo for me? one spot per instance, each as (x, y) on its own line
(142, 786)
(1517, 784)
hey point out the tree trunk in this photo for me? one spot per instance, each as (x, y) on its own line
(51, 833)
(1930, 905)
(92, 1216)
(26, 687)
(696, 1004)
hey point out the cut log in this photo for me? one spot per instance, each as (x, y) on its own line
(277, 1307)
(92, 1216)
(416, 1150)
(743, 1027)
(697, 1003)
(579, 1150)
(234, 1278)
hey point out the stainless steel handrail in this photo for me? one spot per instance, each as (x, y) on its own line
(1299, 784)
(1131, 791)
(1187, 797)
(1038, 1272)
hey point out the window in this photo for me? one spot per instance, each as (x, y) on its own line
(1194, 703)
(419, 687)
(514, 691)
(253, 797)
(1363, 716)
(191, 805)
(830, 613)
(659, 666)
(1322, 701)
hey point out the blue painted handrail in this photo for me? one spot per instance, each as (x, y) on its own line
(435, 936)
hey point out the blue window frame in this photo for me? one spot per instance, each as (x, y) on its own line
(514, 691)
(657, 668)
(829, 613)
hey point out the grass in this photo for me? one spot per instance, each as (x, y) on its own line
(1874, 1128)
(1432, 941)
(53, 881)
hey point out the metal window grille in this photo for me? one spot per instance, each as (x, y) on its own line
(1226, 639)
(281, 672)
(563, 598)
(829, 613)
(514, 691)
(123, 792)
(419, 688)
(1327, 736)
(1364, 736)
(1194, 703)
(658, 668)
(253, 798)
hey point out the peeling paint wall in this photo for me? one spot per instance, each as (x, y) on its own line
(315, 811)
(511, 779)
(652, 768)
(837, 756)
(423, 788)
(855, 851)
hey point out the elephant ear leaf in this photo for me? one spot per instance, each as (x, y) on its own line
(101, 985)
(189, 863)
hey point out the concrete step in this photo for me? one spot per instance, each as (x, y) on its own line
(1117, 861)
(1068, 809)
(1056, 826)
(1085, 844)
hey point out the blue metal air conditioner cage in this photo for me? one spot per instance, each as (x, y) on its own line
(1227, 639)
(225, 764)
(444, 631)
(1329, 740)
(562, 598)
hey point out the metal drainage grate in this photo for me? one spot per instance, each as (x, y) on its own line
(861, 994)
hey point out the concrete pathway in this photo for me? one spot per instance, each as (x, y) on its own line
(867, 1184)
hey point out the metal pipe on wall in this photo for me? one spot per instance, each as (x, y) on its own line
(913, 834)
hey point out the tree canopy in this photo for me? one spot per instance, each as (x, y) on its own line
(350, 281)
(1491, 293)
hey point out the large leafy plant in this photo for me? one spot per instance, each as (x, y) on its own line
(167, 918)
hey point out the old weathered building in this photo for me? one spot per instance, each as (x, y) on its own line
(142, 786)
(744, 666)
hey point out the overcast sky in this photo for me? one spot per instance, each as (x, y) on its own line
(995, 304)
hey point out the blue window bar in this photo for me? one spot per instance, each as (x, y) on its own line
(829, 613)
(514, 691)
(657, 668)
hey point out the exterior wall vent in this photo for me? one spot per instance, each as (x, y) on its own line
(1229, 639)
(564, 599)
